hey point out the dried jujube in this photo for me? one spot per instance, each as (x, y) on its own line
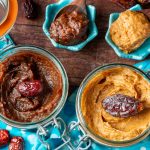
(29, 9)
(30, 88)
(16, 143)
(4, 137)
(122, 105)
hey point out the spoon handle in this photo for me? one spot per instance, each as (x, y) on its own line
(80, 3)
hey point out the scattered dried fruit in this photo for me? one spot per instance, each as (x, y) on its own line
(29, 9)
(16, 143)
(124, 3)
(122, 106)
(30, 88)
(4, 137)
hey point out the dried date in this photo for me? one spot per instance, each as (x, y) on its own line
(29, 9)
(30, 88)
(122, 106)
(16, 143)
(4, 137)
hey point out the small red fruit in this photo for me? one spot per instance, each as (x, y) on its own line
(30, 88)
(4, 137)
(16, 143)
(122, 105)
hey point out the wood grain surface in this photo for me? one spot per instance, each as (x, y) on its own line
(77, 64)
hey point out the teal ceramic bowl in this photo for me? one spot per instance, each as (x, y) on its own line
(52, 10)
(141, 53)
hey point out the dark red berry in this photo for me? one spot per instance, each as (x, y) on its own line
(29, 9)
(122, 106)
(30, 88)
(16, 143)
(4, 137)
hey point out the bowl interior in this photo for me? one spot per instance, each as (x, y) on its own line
(139, 54)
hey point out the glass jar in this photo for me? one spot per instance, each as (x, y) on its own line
(82, 123)
(32, 125)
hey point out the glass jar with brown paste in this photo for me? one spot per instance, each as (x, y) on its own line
(34, 86)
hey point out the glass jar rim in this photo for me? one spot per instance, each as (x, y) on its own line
(32, 125)
(90, 133)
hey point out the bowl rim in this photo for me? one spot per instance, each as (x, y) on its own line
(119, 52)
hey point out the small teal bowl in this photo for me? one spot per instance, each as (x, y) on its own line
(52, 10)
(141, 53)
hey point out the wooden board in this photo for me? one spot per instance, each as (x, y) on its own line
(78, 64)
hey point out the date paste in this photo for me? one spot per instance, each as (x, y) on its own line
(31, 87)
(70, 28)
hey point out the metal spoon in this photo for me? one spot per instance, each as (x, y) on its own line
(78, 5)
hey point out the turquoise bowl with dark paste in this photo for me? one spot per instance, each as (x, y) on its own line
(53, 9)
(139, 54)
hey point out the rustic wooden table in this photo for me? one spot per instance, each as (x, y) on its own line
(77, 64)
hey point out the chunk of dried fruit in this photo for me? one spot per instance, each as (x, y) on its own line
(29, 9)
(30, 88)
(122, 106)
(16, 143)
(4, 137)
(124, 3)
